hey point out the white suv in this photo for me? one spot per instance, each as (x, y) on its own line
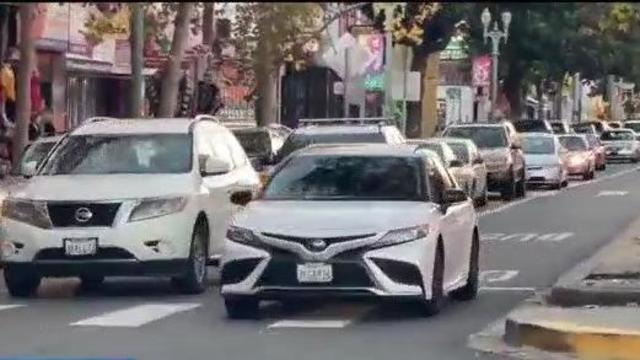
(126, 197)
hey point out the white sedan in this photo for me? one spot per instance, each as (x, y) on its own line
(369, 220)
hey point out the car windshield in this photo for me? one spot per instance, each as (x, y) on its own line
(573, 143)
(348, 178)
(35, 153)
(298, 141)
(593, 140)
(633, 126)
(437, 148)
(558, 128)
(538, 145)
(583, 128)
(530, 126)
(122, 154)
(461, 151)
(617, 135)
(254, 142)
(483, 137)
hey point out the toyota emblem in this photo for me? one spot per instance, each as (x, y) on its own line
(318, 244)
(83, 215)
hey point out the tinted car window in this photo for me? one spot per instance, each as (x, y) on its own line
(483, 137)
(531, 126)
(436, 148)
(254, 142)
(573, 143)
(461, 151)
(298, 141)
(633, 126)
(593, 140)
(329, 177)
(35, 152)
(617, 135)
(538, 145)
(584, 128)
(558, 128)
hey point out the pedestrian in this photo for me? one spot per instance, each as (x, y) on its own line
(34, 127)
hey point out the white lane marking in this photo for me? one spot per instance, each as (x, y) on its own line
(514, 289)
(612, 193)
(493, 276)
(553, 193)
(136, 316)
(310, 324)
(10, 306)
(526, 237)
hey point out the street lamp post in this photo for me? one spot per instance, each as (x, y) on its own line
(495, 35)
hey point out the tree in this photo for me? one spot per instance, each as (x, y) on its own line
(23, 96)
(208, 23)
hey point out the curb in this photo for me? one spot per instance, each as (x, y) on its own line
(584, 344)
(570, 290)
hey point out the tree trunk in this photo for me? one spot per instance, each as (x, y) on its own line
(513, 90)
(266, 78)
(137, 59)
(540, 92)
(4, 30)
(23, 96)
(208, 24)
(431, 79)
(171, 81)
(414, 109)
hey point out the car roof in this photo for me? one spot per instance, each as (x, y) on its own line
(399, 150)
(618, 130)
(540, 134)
(138, 126)
(476, 125)
(334, 129)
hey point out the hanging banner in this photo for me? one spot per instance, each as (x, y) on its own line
(482, 71)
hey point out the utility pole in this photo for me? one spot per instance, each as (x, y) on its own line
(496, 35)
(345, 82)
(137, 63)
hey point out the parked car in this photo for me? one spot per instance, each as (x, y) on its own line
(621, 145)
(126, 198)
(598, 125)
(579, 158)
(500, 148)
(360, 219)
(467, 152)
(598, 148)
(615, 124)
(527, 126)
(337, 131)
(633, 125)
(261, 143)
(544, 156)
(462, 174)
(560, 127)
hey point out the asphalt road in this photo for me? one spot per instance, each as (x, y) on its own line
(527, 244)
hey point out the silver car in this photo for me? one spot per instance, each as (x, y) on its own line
(467, 152)
(621, 144)
(543, 154)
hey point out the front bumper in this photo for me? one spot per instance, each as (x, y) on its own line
(497, 178)
(538, 175)
(67, 268)
(620, 154)
(269, 272)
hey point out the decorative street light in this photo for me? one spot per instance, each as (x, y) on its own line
(495, 35)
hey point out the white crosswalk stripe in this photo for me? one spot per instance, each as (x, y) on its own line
(136, 316)
(10, 306)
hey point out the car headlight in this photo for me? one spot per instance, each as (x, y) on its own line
(242, 235)
(29, 212)
(401, 236)
(156, 207)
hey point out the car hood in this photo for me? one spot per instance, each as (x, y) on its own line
(333, 218)
(103, 187)
(540, 159)
(497, 154)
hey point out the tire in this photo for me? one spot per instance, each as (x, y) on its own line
(508, 190)
(434, 305)
(91, 282)
(521, 187)
(470, 290)
(21, 284)
(194, 281)
(482, 200)
(634, 160)
(242, 307)
(586, 176)
(557, 186)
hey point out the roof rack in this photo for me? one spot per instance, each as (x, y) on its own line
(206, 117)
(347, 121)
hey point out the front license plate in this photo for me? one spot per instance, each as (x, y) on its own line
(80, 247)
(315, 273)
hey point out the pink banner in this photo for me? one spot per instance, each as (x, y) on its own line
(482, 71)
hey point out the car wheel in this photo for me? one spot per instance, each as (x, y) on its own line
(508, 189)
(557, 186)
(586, 175)
(194, 281)
(91, 282)
(21, 284)
(470, 289)
(521, 190)
(634, 160)
(242, 307)
(482, 200)
(435, 304)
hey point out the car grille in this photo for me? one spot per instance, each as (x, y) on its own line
(104, 253)
(282, 272)
(64, 214)
(534, 168)
(536, 178)
(236, 271)
(307, 242)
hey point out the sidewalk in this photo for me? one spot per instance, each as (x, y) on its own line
(593, 311)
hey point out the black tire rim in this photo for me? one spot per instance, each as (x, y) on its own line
(199, 257)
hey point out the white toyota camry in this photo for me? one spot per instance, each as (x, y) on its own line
(352, 220)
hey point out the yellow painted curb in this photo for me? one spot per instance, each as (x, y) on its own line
(588, 343)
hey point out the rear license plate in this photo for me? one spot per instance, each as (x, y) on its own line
(80, 246)
(315, 273)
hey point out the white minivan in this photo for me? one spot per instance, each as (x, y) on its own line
(126, 197)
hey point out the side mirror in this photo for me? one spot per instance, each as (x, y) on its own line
(478, 161)
(29, 169)
(452, 196)
(455, 163)
(212, 166)
(241, 198)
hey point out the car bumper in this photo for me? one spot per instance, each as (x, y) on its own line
(544, 176)
(400, 271)
(578, 169)
(497, 179)
(135, 248)
(65, 268)
(619, 155)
